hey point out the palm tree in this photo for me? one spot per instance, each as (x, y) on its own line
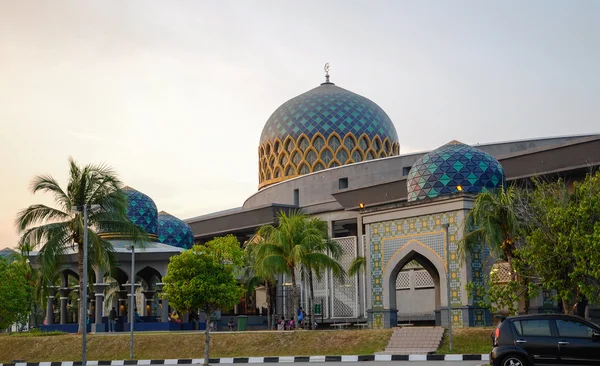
(297, 240)
(54, 230)
(358, 264)
(325, 245)
(494, 221)
(255, 275)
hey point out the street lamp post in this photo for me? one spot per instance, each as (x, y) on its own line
(446, 226)
(131, 301)
(83, 295)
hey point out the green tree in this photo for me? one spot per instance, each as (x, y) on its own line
(295, 242)
(494, 222)
(254, 275)
(16, 292)
(562, 241)
(55, 230)
(204, 278)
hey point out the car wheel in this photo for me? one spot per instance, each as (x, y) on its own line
(513, 360)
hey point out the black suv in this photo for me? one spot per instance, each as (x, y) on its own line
(545, 339)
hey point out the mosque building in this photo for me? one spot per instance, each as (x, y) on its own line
(336, 155)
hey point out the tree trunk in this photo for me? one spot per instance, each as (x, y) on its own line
(311, 309)
(81, 318)
(268, 293)
(295, 298)
(568, 307)
(207, 338)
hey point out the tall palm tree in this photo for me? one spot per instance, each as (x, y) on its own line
(494, 222)
(255, 274)
(54, 230)
(319, 268)
(291, 244)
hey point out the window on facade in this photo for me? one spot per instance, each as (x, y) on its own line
(326, 156)
(303, 144)
(570, 328)
(343, 183)
(296, 197)
(405, 170)
(342, 156)
(349, 143)
(533, 328)
(319, 143)
(334, 142)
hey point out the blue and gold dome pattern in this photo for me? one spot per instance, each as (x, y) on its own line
(142, 211)
(325, 127)
(452, 168)
(173, 231)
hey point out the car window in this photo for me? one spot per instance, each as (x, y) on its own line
(572, 328)
(533, 327)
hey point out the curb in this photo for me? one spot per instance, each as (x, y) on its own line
(281, 359)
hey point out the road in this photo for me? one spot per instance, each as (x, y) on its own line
(385, 363)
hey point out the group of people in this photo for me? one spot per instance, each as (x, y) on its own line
(283, 324)
(113, 317)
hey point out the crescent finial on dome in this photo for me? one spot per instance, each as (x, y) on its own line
(326, 68)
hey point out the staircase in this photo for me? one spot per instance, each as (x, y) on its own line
(414, 340)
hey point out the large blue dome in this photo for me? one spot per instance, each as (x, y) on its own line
(323, 128)
(173, 231)
(441, 171)
(142, 211)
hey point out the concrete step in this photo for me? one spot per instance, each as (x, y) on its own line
(414, 340)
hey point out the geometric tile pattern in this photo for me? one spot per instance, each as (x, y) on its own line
(142, 211)
(547, 299)
(477, 280)
(441, 171)
(325, 127)
(388, 238)
(173, 231)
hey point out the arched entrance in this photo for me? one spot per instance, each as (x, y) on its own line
(412, 299)
(417, 292)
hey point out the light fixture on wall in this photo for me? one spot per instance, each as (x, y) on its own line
(459, 188)
(361, 206)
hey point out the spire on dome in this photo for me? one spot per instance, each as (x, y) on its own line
(327, 82)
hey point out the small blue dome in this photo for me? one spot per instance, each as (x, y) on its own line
(441, 171)
(142, 211)
(173, 231)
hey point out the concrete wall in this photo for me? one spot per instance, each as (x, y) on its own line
(316, 188)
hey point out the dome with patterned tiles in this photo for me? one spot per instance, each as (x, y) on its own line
(441, 172)
(142, 211)
(173, 231)
(325, 127)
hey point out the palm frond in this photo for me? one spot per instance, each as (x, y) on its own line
(358, 264)
(36, 214)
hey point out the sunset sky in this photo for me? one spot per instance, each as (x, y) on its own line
(174, 94)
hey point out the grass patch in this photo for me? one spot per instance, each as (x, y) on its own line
(36, 333)
(191, 345)
(467, 341)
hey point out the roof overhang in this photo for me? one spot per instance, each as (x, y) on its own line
(244, 220)
(575, 157)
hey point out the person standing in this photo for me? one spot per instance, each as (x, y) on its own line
(112, 320)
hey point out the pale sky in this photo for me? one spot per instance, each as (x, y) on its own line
(174, 94)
